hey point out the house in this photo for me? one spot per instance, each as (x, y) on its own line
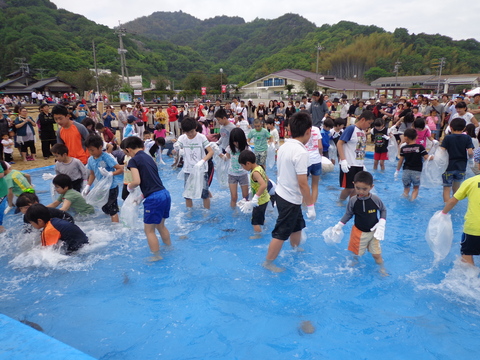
(25, 84)
(274, 85)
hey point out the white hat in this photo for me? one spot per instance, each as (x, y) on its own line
(129, 106)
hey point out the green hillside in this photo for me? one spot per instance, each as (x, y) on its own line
(180, 48)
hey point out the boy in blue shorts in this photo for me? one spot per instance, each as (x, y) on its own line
(157, 199)
(101, 163)
(458, 146)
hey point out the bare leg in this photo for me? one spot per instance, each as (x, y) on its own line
(258, 232)
(244, 191)
(346, 193)
(233, 195)
(375, 164)
(115, 218)
(24, 156)
(295, 239)
(274, 249)
(189, 203)
(152, 237)
(446, 193)
(315, 180)
(468, 259)
(406, 192)
(379, 260)
(415, 192)
(455, 186)
(206, 203)
(164, 233)
(382, 165)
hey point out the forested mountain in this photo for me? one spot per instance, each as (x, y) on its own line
(180, 48)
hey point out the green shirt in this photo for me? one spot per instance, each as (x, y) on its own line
(473, 106)
(79, 205)
(3, 185)
(265, 197)
(259, 139)
(18, 183)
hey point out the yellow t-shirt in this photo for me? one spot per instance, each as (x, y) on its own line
(471, 188)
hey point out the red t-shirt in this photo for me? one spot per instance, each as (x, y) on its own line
(73, 141)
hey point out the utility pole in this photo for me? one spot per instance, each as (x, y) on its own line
(318, 56)
(24, 67)
(396, 69)
(442, 64)
(95, 66)
(121, 51)
(41, 72)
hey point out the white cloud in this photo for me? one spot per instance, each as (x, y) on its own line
(427, 16)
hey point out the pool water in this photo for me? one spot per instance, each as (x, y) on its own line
(210, 298)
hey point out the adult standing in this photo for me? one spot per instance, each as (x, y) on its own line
(474, 107)
(318, 109)
(25, 134)
(250, 111)
(33, 95)
(172, 112)
(122, 119)
(108, 116)
(440, 109)
(46, 130)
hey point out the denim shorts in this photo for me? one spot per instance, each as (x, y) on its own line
(449, 177)
(315, 169)
(411, 178)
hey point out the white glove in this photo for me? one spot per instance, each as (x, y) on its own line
(245, 206)
(379, 229)
(254, 200)
(386, 137)
(200, 163)
(181, 152)
(86, 190)
(7, 210)
(338, 227)
(344, 166)
(47, 176)
(311, 214)
(104, 172)
(396, 174)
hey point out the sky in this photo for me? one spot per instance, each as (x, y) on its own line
(427, 16)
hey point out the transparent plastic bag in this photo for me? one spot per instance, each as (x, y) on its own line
(221, 171)
(327, 165)
(331, 237)
(271, 156)
(439, 235)
(129, 211)
(392, 149)
(98, 196)
(433, 169)
(332, 151)
(194, 184)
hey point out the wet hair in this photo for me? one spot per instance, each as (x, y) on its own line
(363, 177)
(59, 149)
(63, 181)
(189, 124)
(237, 135)
(247, 156)
(95, 141)
(328, 123)
(470, 130)
(26, 199)
(37, 212)
(410, 133)
(99, 126)
(378, 122)
(221, 113)
(457, 124)
(367, 115)
(419, 124)
(132, 142)
(60, 110)
(299, 123)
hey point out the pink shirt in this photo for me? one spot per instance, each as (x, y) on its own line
(160, 133)
(422, 136)
(432, 122)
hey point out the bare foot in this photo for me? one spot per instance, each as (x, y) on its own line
(269, 265)
(155, 257)
(383, 272)
(2, 229)
(298, 249)
(256, 236)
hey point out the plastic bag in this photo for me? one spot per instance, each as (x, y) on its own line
(433, 169)
(194, 184)
(331, 237)
(99, 195)
(392, 149)
(129, 211)
(327, 165)
(271, 156)
(303, 237)
(439, 235)
(221, 171)
(332, 151)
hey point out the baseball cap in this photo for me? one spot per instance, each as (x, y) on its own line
(434, 98)
(131, 117)
(316, 93)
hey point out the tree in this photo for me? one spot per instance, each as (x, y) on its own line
(310, 85)
(289, 88)
(109, 82)
(161, 83)
(82, 79)
(375, 72)
(195, 81)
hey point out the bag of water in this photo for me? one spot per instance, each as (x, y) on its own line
(392, 149)
(327, 165)
(221, 171)
(194, 184)
(332, 237)
(332, 151)
(433, 169)
(271, 156)
(99, 195)
(129, 211)
(439, 235)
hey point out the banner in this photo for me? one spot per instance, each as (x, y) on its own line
(224, 88)
(204, 90)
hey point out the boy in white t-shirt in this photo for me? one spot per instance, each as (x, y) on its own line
(315, 150)
(351, 152)
(292, 189)
(194, 146)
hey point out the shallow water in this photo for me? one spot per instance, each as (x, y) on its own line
(210, 298)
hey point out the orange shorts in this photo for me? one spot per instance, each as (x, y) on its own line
(361, 241)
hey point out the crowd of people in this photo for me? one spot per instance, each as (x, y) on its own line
(302, 135)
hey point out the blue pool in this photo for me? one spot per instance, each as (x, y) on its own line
(210, 298)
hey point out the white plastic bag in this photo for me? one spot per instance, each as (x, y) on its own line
(271, 155)
(331, 237)
(392, 149)
(99, 195)
(194, 184)
(327, 165)
(439, 235)
(221, 171)
(433, 169)
(332, 151)
(129, 211)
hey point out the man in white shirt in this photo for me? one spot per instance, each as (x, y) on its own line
(292, 189)
(34, 97)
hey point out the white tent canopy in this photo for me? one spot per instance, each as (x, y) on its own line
(473, 91)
